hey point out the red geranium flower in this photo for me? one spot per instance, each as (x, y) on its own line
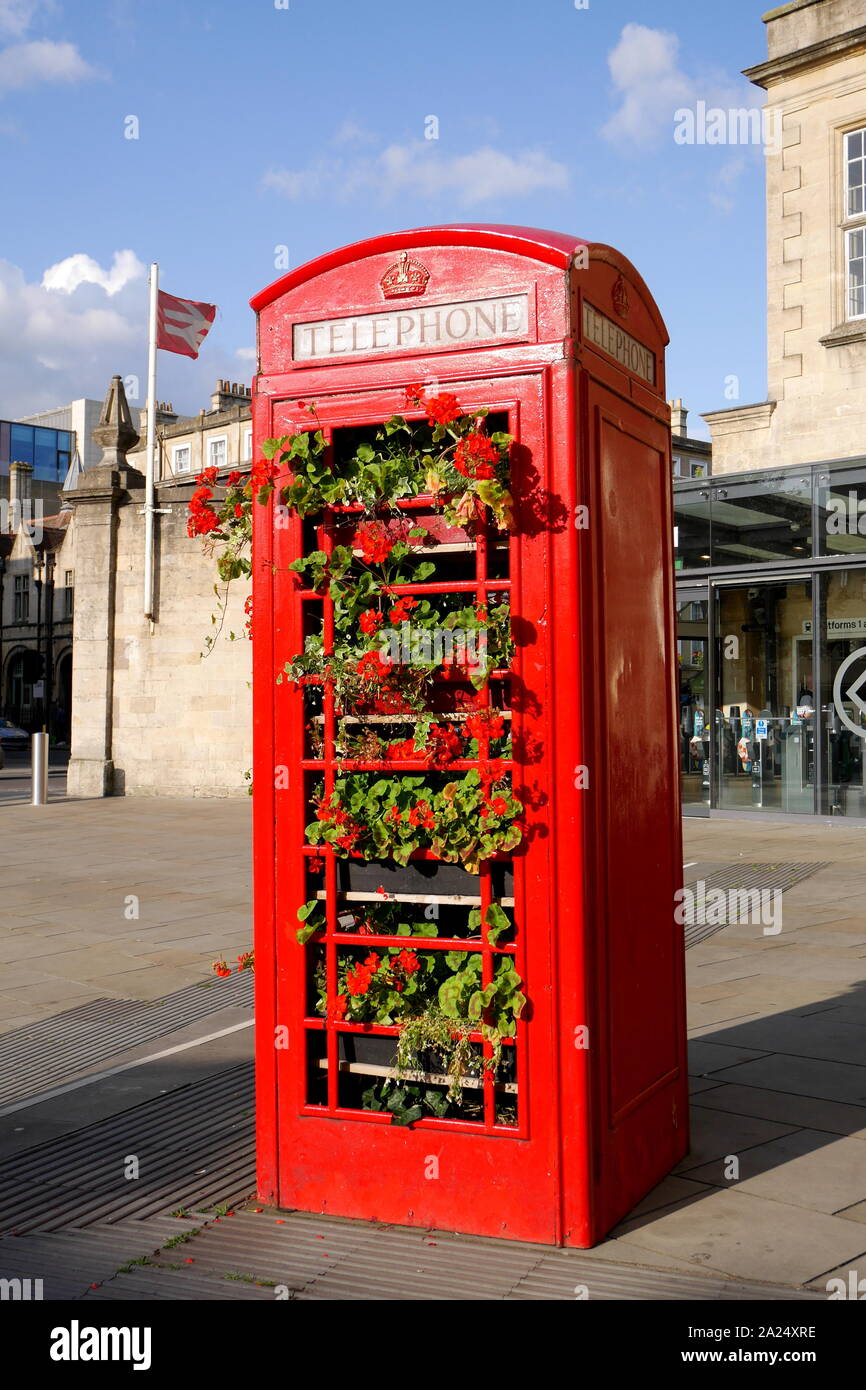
(370, 621)
(402, 608)
(476, 455)
(407, 961)
(358, 980)
(422, 816)
(441, 410)
(262, 473)
(371, 667)
(374, 542)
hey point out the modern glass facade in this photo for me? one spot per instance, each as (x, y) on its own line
(49, 451)
(771, 580)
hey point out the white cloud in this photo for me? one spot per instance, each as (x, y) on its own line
(64, 334)
(246, 354)
(651, 86)
(16, 16)
(420, 168)
(649, 83)
(352, 133)
(42, 60)
(80, 269)
(57, 347)
(722, 186)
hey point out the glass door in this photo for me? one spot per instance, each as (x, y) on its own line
(764, 722)
(693, 659)
(842, 706)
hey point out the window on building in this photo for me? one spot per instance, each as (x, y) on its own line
(248, 445)
(22, 598)
(855, 212)
(181, 458)
(216, 452)
(69, 594)
(856, 258)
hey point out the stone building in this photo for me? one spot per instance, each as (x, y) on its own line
(690, 457)
(771, 549)
(150, 715)
(815, 79)
(37, 576)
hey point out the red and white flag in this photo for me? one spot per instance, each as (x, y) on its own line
(181, 324)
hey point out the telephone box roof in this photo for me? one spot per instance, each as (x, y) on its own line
(535, 243)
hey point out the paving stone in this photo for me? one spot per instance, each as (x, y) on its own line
(853, 1288)
(819, 1171)
(801, 1075)
(707, 1057)
(714, 1134)
(807, 1112)
(812, 1035)
(857, 1212)
(750, 1237)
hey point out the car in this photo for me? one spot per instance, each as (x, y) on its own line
(11, 736)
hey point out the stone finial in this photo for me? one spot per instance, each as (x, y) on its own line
(115, 433)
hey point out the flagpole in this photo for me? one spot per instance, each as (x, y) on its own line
(151, 441)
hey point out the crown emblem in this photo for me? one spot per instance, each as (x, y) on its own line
(404, 277)
(619, 295)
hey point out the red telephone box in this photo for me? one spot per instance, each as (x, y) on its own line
(558, 1130)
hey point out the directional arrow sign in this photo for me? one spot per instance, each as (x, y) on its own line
(853, 693)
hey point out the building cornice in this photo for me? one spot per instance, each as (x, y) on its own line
(777, 69)
(845, 334)
(740, 417)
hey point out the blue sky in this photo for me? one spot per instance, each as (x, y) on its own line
(261, 127)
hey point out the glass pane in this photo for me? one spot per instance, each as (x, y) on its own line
(22, 443)
(45, 460)
(768, 518)
(764, 726)
(843, 692)
(691, 528)
(841, 498)
(695, 729)
(856, 274)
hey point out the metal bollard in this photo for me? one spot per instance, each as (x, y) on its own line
(40, 770)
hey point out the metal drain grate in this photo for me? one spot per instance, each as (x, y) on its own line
(739, 877)
(69, 1263)
(316, 1258)
(193, 1146)
(43, 1054)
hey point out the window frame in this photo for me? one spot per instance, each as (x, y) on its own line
(177, 449)
(852, 224)
(21, 600)
(217, 439)
(850, 258)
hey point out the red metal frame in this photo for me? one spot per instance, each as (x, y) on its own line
(597, 1125)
